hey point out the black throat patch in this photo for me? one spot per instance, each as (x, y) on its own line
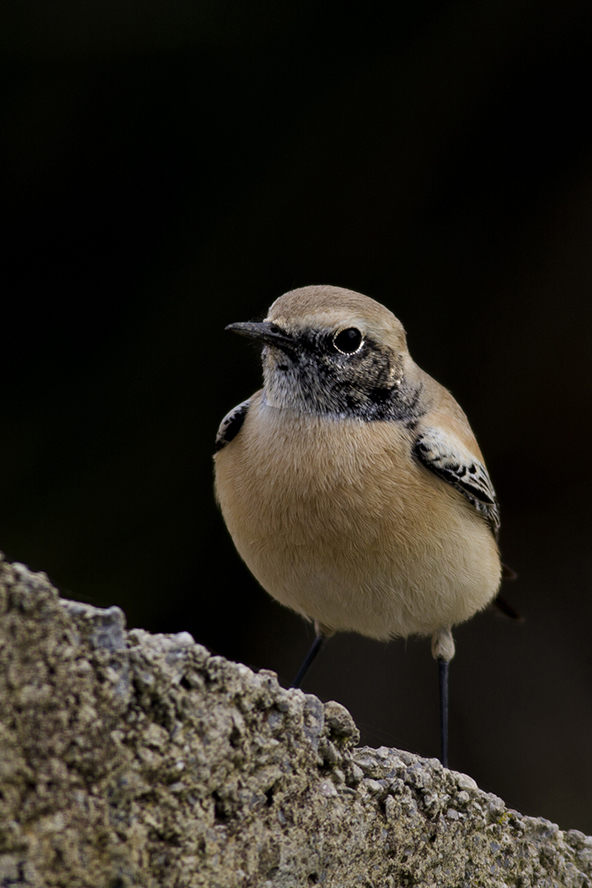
(316, 378)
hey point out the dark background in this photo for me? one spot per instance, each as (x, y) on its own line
(170, 167)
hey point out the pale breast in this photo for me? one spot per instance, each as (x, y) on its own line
(330, 525)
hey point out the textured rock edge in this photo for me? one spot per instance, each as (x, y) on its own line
(135, 759)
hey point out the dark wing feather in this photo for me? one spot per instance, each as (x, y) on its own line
(450, 460)
(231, 425)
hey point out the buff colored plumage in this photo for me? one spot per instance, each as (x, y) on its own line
(352, 484)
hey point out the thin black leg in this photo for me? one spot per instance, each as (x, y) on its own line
(443, 676)
(316, 647)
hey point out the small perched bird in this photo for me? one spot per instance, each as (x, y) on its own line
(352, 484)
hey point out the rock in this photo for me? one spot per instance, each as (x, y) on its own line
(135, 759)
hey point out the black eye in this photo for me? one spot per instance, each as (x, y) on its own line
(348, 341)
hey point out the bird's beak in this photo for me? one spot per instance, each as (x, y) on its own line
(264, 332)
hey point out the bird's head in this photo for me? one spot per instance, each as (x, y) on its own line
(330, 351)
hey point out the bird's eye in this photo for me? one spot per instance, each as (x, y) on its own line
(348, 341)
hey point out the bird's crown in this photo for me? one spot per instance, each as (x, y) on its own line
(334, 308)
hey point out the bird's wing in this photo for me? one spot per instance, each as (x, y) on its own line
(443, 454)
(231, 424)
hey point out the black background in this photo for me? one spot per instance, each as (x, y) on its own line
(168, 168)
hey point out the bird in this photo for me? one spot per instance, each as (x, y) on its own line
(352, 484)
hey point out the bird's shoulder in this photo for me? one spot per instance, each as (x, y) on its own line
(232, 424)
(444, 443)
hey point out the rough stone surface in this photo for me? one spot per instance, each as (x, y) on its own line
(132, 759)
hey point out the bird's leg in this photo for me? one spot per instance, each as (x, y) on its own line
(443, 652)
(443, 681)
(322, 634)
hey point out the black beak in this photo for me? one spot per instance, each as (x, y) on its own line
(264, 332)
